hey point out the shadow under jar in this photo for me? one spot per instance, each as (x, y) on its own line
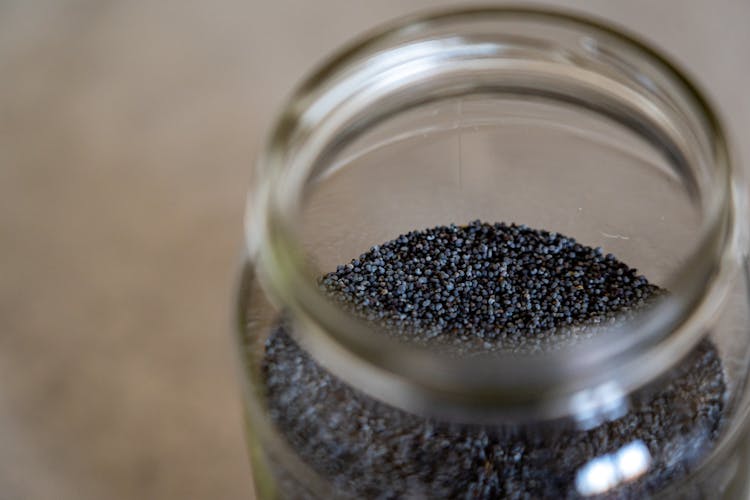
(496, 254)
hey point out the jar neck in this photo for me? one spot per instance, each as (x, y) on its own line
(558, 58)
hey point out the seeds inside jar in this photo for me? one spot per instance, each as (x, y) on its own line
(487, 288)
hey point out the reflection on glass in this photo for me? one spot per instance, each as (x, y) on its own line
(608, 471)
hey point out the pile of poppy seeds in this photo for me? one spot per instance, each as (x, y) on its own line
(487, 287)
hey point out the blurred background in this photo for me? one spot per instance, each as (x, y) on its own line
(127, 134)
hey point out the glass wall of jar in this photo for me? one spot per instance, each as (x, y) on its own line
(415, 318)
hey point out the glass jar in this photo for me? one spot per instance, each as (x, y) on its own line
(511, 116)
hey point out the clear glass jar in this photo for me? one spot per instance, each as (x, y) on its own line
(500, 115)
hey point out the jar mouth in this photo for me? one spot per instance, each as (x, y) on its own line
(618, 361)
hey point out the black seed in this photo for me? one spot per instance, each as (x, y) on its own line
(480, 288)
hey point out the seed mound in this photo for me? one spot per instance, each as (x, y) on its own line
(486, 287)
(481, 286)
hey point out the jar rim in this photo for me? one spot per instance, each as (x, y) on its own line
(550, 387)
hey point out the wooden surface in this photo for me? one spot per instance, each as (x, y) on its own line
(127, 131)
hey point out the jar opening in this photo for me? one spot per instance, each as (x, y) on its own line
(503, 73)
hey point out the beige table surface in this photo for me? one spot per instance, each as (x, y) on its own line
(127, 130)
